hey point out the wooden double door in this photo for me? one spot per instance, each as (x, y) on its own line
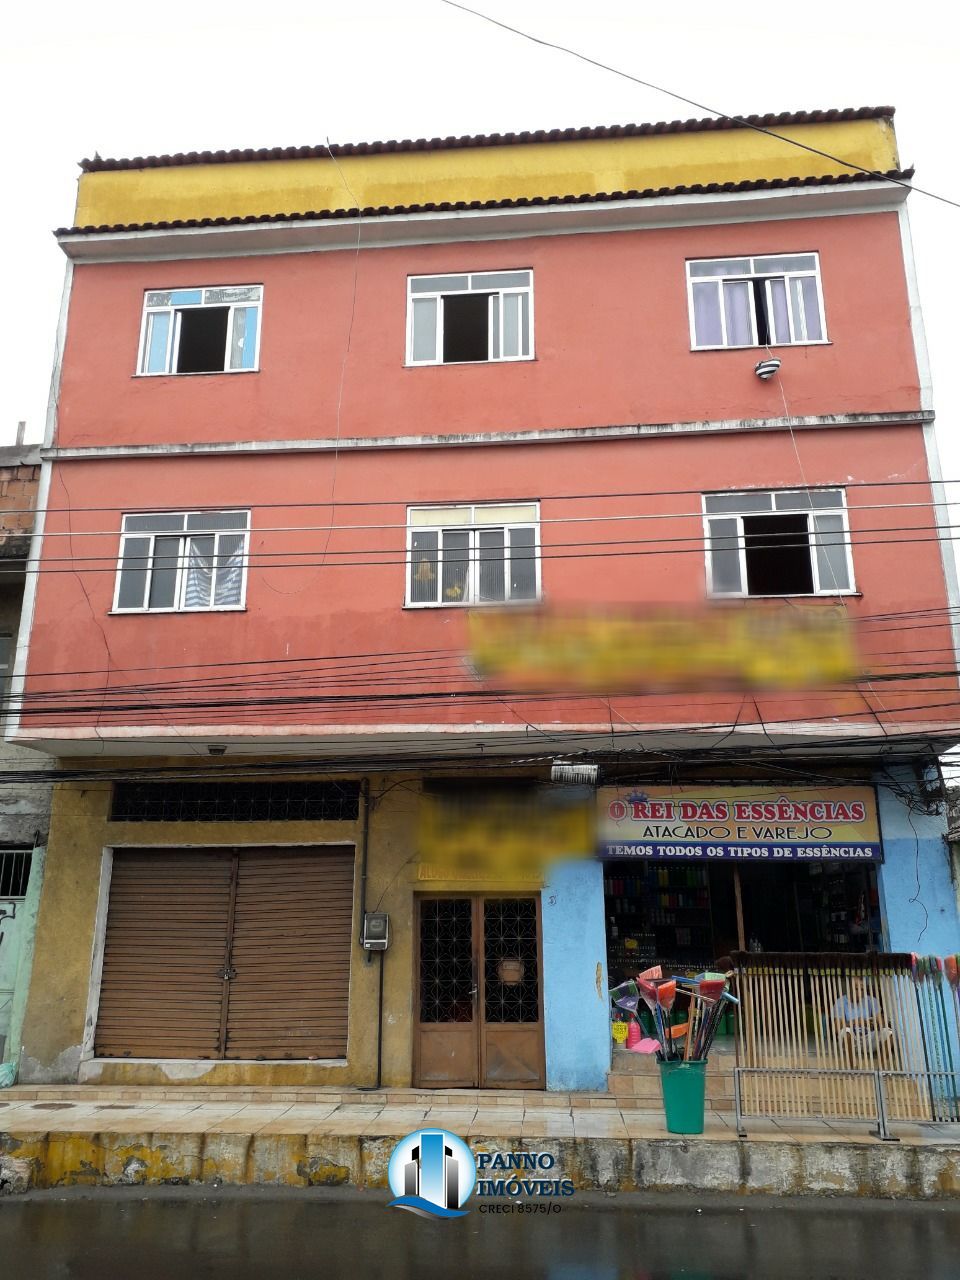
(479, 992)
(227, 953)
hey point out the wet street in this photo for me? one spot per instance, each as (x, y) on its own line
(187, 1234)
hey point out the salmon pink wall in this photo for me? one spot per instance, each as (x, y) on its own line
(324, 608)
(612, 341)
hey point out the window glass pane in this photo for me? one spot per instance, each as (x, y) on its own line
(133, 573)
(163, 581)
(231, 293)
(500, 280)
(738, 310)
(797, 310)
(424, 329)
(831, 553)
(523, 564)
(721, 267)
(203, 520)
(787, 262)
(160, 522)
(524, 324)
(511, 324)
(490, 556)
(441, 515)
(243, 339)
(438, 284)
(199, 567)
(794, 500)
(229, 570)
(779, 316)
(159, 298)
(456, 563)
(155, 346)
(725, 556)
(186, 297)
(826, 497)
(811, 308)
(738, 502)
(505, 514)
(706, 315)
(423, 567)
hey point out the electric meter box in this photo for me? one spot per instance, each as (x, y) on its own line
(376, 931)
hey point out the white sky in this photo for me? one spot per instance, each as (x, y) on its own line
(124, 79)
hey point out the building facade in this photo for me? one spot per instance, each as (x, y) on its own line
(318, 414)
(24, 802)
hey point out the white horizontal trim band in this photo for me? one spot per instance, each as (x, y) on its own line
(90, 453)
(440, 226)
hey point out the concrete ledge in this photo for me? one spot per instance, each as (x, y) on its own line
(766, 1165)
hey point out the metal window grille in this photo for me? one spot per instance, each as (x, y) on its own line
(235, 801)
(14, 872)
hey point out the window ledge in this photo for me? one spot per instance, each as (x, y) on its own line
(220, 608)
(458, 364)
(773, 346)
(791, 595)
(472, 604)
(200, 373)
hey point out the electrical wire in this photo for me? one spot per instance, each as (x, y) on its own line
(691, 102)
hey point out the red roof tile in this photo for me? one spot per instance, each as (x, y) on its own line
(784, 118)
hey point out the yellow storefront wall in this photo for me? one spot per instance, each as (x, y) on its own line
(134, 196)
(66, 942)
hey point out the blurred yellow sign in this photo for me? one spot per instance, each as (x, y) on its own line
(503, 835)
(710, 648)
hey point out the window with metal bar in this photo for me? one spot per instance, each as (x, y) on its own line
(201, 330)
(15, 872)
(470, 318)
(782, 543)
(293, 801)
(756, 302)
(473, 554)
(182, 561)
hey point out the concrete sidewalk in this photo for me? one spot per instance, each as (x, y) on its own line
(82, 1135)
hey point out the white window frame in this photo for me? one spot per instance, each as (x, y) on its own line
(757, 272)
(840, 510)
(470, 600)
(173, 332)
(182, 562)
(496, 302)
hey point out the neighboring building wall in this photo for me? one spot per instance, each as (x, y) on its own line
(917, 886)
(24, 806)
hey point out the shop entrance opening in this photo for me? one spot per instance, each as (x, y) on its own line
(686, 915)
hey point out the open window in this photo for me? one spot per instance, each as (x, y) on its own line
(214, 330)
(182, 562)
(469, 555)
(756, 302)
(470, 318)
(787, 543)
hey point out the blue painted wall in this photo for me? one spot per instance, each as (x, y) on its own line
(917, 893)
(576, 1005)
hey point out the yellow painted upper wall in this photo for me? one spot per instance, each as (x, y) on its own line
(592, 166)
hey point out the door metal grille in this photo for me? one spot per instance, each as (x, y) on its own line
(511, 971)
(446, 960)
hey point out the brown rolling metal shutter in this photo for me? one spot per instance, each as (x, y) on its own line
(291, 954)
(162, 991)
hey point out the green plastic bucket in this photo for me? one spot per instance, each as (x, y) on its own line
(684, 1086)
